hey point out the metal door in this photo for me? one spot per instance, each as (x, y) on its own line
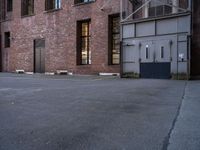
(155, 59)
(155, 70)
(39, 56)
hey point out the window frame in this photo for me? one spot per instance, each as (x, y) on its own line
(79, 42)
(3, 10)
(7, 39)
(25, 9)
(147, 52)
(110, 39)
(9, 5)
(162, 52)
(79, 2)
(51, 5)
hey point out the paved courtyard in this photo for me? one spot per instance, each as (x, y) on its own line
(40, 112)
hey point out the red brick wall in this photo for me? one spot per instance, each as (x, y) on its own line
(195, 64)
(59, 30)
(183, 4)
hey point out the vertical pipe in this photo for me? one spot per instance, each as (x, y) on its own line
(121, 10)
(175, 4)
(121, 38)
(190, 5)
(146, 10)
(188, 56)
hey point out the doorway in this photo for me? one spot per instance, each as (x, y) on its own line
(155, 59)
(39, 56)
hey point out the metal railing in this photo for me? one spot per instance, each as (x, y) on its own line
(140, 9)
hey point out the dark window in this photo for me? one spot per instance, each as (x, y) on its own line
(2, 10)
(83, 43)
(83, 1)
(27, 7)
(52, 4)
(9, 5)
(7, 39)
(162, 52)
(114, 40)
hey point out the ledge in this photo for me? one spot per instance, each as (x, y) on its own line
(52, 10)
(5, 20)
(27, 16)
(83, 3)
(155, 18)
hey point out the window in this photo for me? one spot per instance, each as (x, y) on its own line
(83, 1)
(114, 40)
(83, 43)
(162, 52)
(147, 51)
(157, 8)
(52, 4)
(27, 7)
(2, 10)
(7, 39)
(9, 5)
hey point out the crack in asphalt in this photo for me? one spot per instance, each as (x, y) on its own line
(167, 138)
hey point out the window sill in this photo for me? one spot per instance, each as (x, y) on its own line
(113, 64)
(83, 3)
(5, 20)
(52, 10)
(84, 64)
(24, 16)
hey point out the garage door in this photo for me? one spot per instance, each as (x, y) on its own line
(155, 70)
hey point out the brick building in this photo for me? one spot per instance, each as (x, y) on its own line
(81, 36)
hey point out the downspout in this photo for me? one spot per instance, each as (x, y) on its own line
(121, 39)
(176, 4)
(190, 7)
(146, 10)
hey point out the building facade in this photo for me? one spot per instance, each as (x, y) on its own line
(160, 38)
(195, 53)
(80, 36)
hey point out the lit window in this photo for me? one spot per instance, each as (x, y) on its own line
(114, 38)
(147, 51)
(83, 43)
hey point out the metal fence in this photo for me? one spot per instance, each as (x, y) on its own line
(140, 9)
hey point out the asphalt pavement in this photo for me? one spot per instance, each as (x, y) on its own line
(39, 112)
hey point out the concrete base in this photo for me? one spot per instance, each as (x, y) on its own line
(20, 71)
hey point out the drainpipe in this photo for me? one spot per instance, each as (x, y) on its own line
(190, 5)
(146, 10)
(121, 39)
(175, 4)
(188, 56)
